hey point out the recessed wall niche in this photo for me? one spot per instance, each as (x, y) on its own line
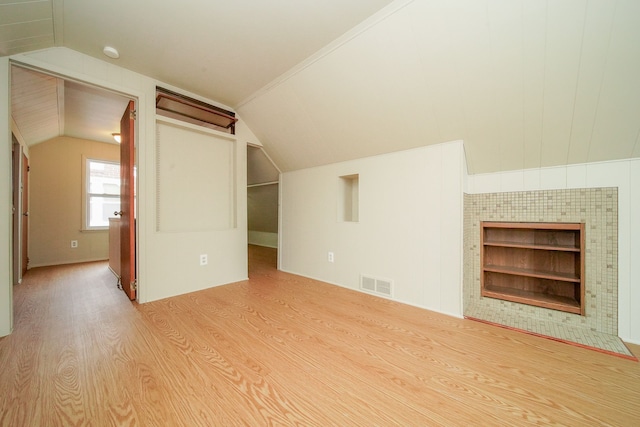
(348, 206)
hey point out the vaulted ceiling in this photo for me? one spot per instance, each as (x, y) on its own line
(525, 83)
(44, 107)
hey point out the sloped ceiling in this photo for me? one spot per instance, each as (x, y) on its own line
(260, 170)
(35, 105)
(525, 83)
(44, 107)
(225, 50)
(25, 25)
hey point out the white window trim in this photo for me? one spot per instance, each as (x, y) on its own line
(85, 193)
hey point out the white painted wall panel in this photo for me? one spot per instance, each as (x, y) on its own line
(630, 309)
(451, 226)
(562, 62)
(477, 67)
(577, 176)
(593, 60)
(440, 66)
(433, 236)
(512, 181)
(553, 178)
(483, 183)
(616, 127)
(408, 231)
(505, 20)
(534, 19)
(405, 88)
(6, 278)
(531, 179)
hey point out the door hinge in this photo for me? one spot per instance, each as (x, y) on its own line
(28, 168)
(133, 114)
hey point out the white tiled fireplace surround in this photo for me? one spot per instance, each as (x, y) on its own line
(598, 209)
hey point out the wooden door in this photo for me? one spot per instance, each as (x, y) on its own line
(127, 203)
(25, 213)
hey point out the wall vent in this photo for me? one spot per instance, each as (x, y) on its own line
(378, 286)
(368, 283)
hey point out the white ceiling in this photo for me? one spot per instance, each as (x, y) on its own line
(525, 83)
(224, 50)
(44, 107)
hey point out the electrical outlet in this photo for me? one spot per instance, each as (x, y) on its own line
(330, 256)
(204, 259)
(74, 244)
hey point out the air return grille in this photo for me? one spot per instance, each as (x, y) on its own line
(376, 285)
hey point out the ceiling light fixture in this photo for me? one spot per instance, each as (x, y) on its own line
(117, 137)
(111, 52)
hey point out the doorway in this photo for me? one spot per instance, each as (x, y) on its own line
(262, 206)
(52, 116)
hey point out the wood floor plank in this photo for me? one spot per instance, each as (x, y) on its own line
(280, 349)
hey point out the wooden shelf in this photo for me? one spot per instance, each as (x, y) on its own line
(565, 248)
(541, 274)
(542, 300)
(540, 264)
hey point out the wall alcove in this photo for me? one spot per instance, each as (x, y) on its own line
(540, 264)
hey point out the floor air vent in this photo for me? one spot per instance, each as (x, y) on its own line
(379, 286)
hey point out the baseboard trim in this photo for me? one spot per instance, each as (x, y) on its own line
(67, 262)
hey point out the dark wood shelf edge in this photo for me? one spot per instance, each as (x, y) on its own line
(563, 277)
(559, 248)
(540, 300)
(552, 226)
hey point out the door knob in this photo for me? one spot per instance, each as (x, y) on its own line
(25, 213)
(116, 213)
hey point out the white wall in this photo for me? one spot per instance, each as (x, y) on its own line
(409, 229)
(174, 253)
(6, 203)
(177, 253)
(625, 175)
(56, 184)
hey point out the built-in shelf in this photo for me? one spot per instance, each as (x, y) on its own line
(556, 302)
(540, 264)
(529, 246)
(529, 272)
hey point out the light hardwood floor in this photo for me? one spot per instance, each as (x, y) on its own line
(279, 349)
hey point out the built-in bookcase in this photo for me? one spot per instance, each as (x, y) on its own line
(540, 264)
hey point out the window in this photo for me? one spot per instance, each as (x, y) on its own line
(102, 193)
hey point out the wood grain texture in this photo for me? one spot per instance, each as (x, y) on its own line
(280, 349)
